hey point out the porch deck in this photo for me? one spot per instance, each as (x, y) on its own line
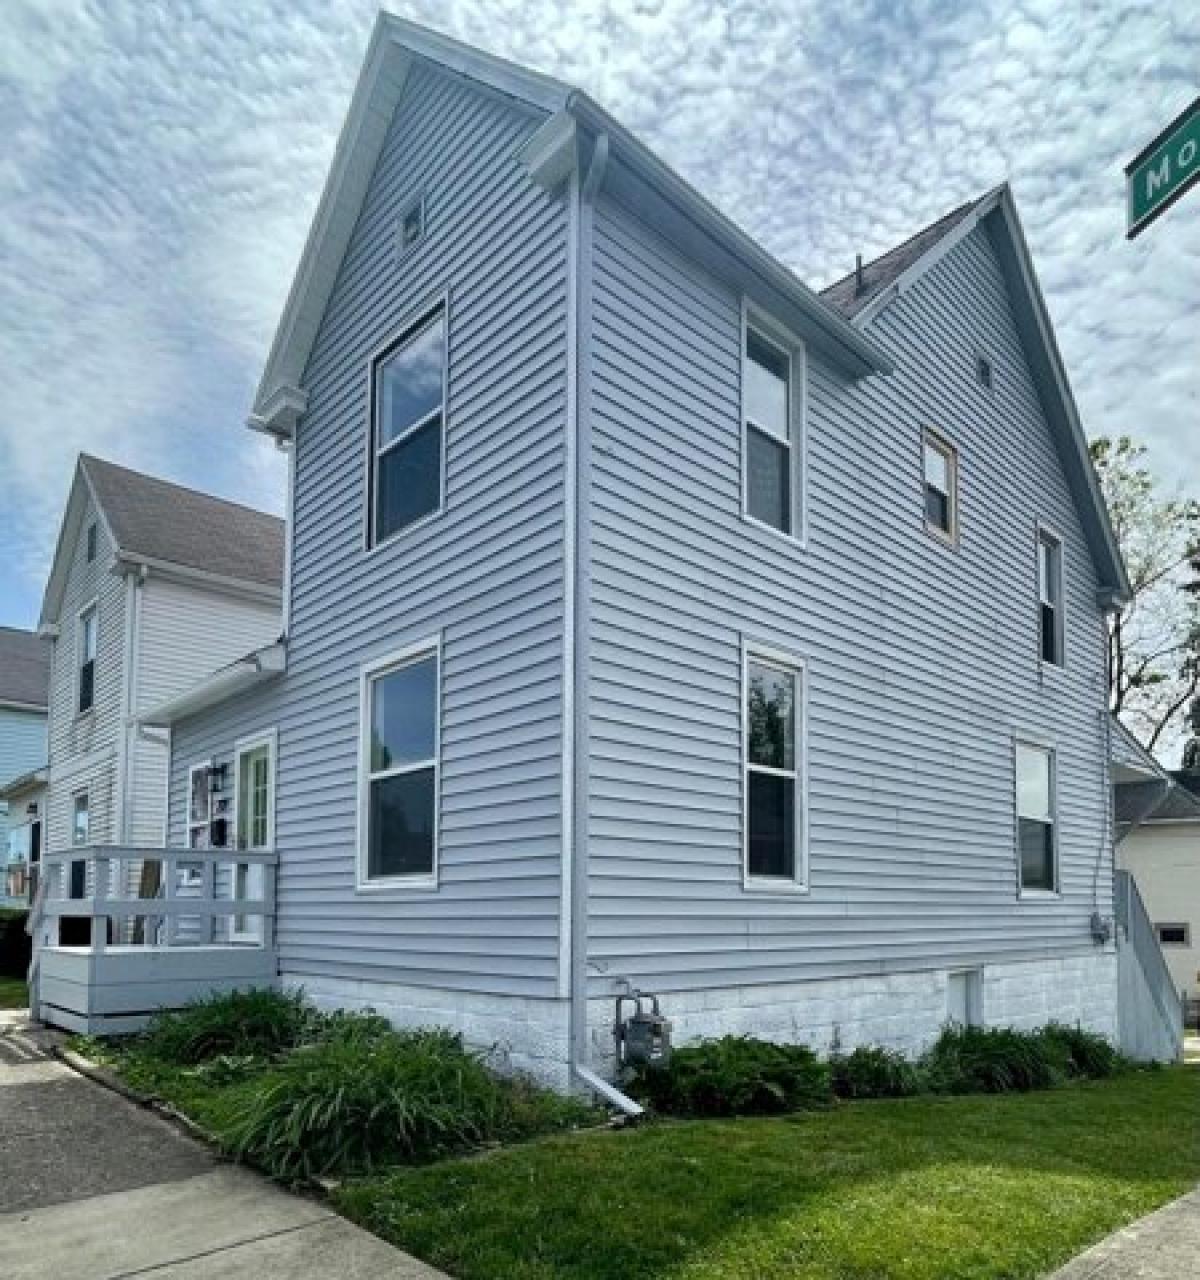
(121, 933)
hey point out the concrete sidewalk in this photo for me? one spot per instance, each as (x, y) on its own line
(93, 1187)
(1163, 1246)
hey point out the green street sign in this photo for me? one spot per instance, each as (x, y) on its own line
(1161, 172)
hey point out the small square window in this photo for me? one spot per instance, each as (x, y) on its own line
(1174, 935)
(984, 372)
(411, 226)
(91, 542)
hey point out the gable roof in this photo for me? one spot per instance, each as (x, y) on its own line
(24, 669)
(893, 274)
(1171, 803)
(155, 523)
(395, 46)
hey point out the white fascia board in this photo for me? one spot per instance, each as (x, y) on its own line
(551, 154)
(260, 591)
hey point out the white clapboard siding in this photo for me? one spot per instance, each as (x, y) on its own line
(923, 659)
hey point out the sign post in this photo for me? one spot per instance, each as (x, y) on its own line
(1162, 171)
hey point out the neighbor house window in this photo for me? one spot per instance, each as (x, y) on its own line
(87, 659)
(774, 801)
(1036, 836)
(410, 226)
(1050, 598)
(941, 486)
(1174, 935)
(81, 819)
(91, 542)
(399, 804)
(408, 402)
(200, 801)
(768, 391)
(984, 372)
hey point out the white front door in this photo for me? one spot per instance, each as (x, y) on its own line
(254, 830)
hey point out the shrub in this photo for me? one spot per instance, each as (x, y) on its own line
(994, 1060)
(240, 1024)
(875, 1073)
(1089, 1056)
(361, 1098)
(735, 1075)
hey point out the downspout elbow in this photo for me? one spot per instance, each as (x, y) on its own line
(612, 1095)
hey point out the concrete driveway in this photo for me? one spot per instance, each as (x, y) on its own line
(93, 1187)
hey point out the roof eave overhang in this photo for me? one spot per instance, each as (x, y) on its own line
(684, 217)
(135, 562)
(229, 682)
(26, 783)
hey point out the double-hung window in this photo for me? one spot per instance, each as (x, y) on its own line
(773, 770)
(86, 678)
(941, 486)
(408, 415)
(771, 468)
(1037, 836)
(399, 802)
(1050, 616)
(81, 830)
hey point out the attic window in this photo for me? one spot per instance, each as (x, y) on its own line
(984, 372)
(91, 542)
(410, 226)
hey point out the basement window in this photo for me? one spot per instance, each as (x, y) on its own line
(1173, 935)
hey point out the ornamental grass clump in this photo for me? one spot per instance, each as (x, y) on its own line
(872, 1072)
(362, 1098)
(994, 1060)
(247, 1024)
(735, 1076)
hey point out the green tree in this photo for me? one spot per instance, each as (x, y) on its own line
(1154, 642)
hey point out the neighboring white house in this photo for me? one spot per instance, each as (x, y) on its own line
(153, 586)
(652, 620)
(24, 680)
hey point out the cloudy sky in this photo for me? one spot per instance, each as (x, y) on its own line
(161, 161)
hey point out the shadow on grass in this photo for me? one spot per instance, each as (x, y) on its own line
(978, 1188)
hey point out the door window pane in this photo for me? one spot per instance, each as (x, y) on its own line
(401, 824)
(254, 798)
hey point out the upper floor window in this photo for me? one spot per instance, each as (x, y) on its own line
(410, 226)
(985, 373)
(941, 486)
(773, 805)
(1050, 598)
(771, 466)
(408, 400)
(87, 640)
(91, 542)
(80, 820)
(398, 818)
(1037, 842)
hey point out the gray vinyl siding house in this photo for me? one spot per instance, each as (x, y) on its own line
(594, 594)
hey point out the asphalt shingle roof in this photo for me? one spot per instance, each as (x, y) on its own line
(1179, 804)
(886, 269)
(163, 521)
(24, 667)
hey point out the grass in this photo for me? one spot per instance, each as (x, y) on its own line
(975, 1188)
(13, 994)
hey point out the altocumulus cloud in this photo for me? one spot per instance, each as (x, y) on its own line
(160, 164)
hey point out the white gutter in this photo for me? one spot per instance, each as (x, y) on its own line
(264, 664)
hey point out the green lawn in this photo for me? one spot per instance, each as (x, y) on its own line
(13, 994)
(922, 1189)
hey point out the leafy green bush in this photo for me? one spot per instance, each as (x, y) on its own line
(994, 1060)
(1089, 1056)
(871, 1072)
(735, 1076)
(240, 1024)
(361, 1098)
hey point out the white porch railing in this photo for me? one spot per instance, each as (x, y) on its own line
(121, 932)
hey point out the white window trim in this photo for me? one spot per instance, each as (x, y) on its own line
(368, 673)
(939, 441)
(1038, 742)
(1047, 533)
(753, 318)
(773, 656)
(192, 825)
(413, 321)
(92, 607)
(413, 202)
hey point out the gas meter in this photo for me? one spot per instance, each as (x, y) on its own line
(644, 1036)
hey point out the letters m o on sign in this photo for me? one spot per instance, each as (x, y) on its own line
(1164, 170)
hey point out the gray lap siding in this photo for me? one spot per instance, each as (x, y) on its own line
(922, 660)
